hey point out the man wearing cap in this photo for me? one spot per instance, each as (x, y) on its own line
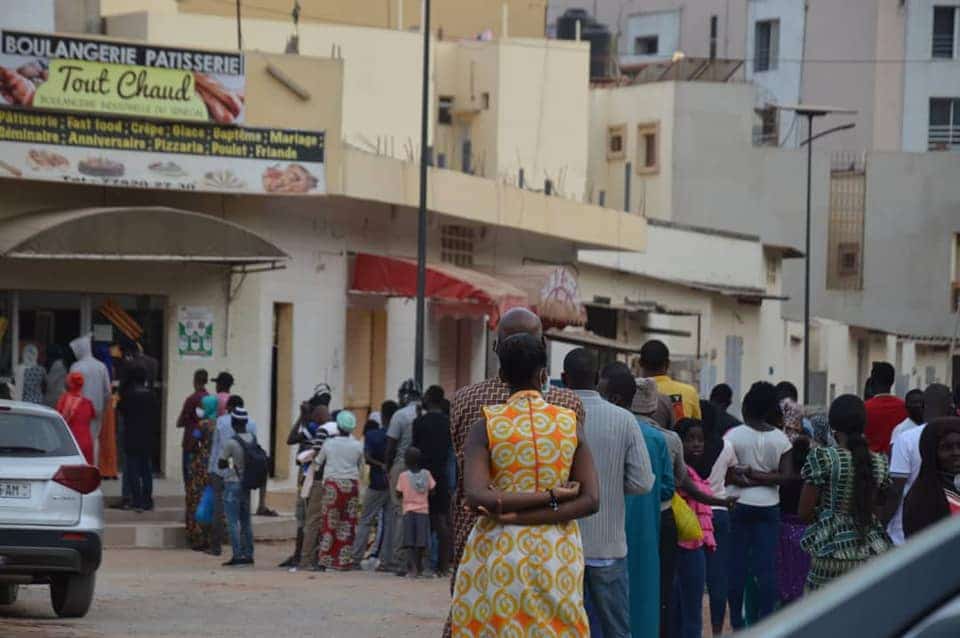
(223, 432)
(236, 499)
(399, 438)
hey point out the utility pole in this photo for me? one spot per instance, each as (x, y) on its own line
(239, 30)
(422, 212)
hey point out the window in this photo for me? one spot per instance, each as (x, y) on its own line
(944, 29)
(445, 110)
(485, 100)
(616, 142)
(714, 27)
(848, 259)
(456, 245)
(943, 133)
(766, 45)
(648, 141)
(646, 45)
(767, 131)
(955, 286)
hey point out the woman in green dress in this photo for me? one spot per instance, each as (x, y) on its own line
(843, 489)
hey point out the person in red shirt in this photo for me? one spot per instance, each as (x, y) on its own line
(884, 411)
(78, 411)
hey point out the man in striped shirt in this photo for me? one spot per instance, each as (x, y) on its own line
(623, 465)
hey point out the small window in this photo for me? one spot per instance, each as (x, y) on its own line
(944, 30)
(848, 262)
(646, 45)
(456, 245)
(714, 28)
(616, 142)
(943, 131)
(445, 110)
(648, 143)
(766, 45)
(955, 287)
(485, 100)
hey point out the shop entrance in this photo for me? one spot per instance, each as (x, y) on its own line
(50, 320)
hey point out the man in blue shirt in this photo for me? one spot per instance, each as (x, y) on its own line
(223, 433)
(376, 496)
(642, 512)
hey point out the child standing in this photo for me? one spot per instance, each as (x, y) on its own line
(413, 489)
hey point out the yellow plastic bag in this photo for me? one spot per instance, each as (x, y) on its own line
(688, 527)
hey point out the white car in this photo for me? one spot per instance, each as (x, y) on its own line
(51, 509)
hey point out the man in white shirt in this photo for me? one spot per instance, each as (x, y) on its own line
(914, 404)
(905, 457)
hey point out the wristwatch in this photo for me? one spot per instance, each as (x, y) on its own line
(554, 503)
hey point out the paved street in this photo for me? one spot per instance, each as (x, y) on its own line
(154, 594)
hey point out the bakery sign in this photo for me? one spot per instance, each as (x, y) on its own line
(125, 152)
(64, 73)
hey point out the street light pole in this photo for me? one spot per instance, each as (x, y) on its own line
(806, 265)
(422, 212)
(811, 112)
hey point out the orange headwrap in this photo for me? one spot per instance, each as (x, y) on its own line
(74, 382)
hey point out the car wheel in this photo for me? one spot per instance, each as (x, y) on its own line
(8, 594)
(71, 595)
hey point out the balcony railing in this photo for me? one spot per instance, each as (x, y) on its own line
(944, 138)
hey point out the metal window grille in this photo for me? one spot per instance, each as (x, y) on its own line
(848, 200)
(944, 31)
(943, 133)
(456, 245)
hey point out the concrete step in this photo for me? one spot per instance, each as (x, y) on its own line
(156, 515)
(171, 534)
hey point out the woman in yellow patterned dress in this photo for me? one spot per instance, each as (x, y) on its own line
(530, 476)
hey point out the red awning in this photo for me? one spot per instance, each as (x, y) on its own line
(395, 277)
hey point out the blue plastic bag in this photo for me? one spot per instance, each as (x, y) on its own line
(204, 514)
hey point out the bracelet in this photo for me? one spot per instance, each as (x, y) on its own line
(554, 503)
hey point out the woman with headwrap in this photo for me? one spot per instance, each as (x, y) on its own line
(30, 376)
(78, 411)
(56, 381)
(935, 494)
(199, 464)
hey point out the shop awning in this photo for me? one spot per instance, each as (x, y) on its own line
(396, 277)
(553, 292)
(141, 233)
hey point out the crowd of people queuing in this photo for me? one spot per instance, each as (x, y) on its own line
(609, 504)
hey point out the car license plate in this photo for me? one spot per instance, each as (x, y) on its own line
(14, 489)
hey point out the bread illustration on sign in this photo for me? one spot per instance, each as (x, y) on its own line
(167, 169)
(223, 105)
(100, 167)
(40, 159)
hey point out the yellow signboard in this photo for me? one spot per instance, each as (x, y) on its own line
(74, 85)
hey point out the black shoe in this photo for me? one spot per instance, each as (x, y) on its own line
(200, 548)
(212, 552)
(246, 561)
(234, 562)
(290, 562)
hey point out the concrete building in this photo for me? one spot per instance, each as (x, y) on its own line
(685, 150)
(894, 62)
(301, 289)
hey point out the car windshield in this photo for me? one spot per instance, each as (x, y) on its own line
(34, 435)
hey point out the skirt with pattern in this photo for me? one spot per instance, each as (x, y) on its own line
(340, 510)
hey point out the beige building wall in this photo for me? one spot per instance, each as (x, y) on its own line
(381, 68)
(651, 194)
(455, 18)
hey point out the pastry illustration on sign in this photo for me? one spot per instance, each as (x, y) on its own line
(100, 167)
(223, 179)
(40, 160)
(167, 169)
(15, 88)
(223, 105)
(292, 179)
(12, 170)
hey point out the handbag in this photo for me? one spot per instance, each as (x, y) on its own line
(204, 514)
(688, 527)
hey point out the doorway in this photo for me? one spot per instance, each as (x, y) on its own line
(281, 388)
